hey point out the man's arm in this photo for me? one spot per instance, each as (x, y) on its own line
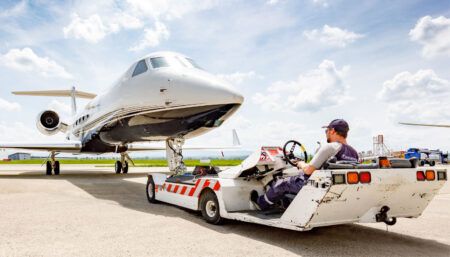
(307, 169)
(325, 152)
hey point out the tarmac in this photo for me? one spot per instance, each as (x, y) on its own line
(90, 211)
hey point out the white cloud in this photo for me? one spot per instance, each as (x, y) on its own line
(26, 60)
(152, 37)
(323, 3)
(91, 29)
(110, 17)
(433, 34)
(94, 28)
(8, 106)
(332, 36)
(419, 97)
(238, 77)
(313, 91)
(408, 86)
(16, 10)
(168, 9)
(64, 110)
(273, 2)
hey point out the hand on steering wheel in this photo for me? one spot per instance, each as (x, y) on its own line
(290, 157)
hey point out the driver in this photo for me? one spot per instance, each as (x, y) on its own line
(336, 146)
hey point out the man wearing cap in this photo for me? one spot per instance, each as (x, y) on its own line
(336, 146)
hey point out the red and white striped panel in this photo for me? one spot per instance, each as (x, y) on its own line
(188, 190)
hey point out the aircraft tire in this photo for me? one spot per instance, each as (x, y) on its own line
(48, 168)
(118, 167)
(432, 163)
(150, 189)
(209, 206)
(56, 170)
(125, 168)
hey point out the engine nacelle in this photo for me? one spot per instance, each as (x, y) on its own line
(48, 123)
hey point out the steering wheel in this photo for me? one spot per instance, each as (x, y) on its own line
(290, 156)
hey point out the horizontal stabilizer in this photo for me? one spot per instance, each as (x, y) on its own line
(57, 93)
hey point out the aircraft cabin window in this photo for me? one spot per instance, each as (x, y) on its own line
(141, 67)
(159, 62)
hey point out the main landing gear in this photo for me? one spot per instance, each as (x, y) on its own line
(174, 153)
(122, 165)
(52, 165)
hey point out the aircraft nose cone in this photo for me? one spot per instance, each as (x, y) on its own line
(230, 92)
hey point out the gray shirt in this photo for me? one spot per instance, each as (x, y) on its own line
(325, 152)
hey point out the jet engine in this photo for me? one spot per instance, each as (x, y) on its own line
(48, 123)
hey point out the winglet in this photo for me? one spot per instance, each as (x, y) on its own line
(236, 141)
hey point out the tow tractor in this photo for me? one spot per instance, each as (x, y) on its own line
(339, 193)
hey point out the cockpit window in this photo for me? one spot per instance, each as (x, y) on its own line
(193, 63)
(141, 67)
(182, 61)
(158, 62)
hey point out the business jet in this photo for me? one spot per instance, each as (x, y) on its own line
(164, 96)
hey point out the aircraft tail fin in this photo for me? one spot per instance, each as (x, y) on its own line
(236, 141)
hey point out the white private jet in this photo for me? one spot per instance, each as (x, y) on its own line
(164, 96)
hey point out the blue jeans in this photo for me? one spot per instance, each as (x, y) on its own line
(280, 187)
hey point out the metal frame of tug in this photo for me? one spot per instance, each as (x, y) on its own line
(365, 193)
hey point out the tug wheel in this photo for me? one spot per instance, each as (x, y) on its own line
(150, 189)
(209, 206)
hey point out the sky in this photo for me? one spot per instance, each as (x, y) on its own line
(298, 63)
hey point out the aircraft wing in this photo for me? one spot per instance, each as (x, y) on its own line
(425, 125)
(65, 147)
(142, 148)
(236, 145)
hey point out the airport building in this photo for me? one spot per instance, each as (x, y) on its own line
(19, 156)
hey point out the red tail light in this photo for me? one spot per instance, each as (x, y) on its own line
(420, 175)
(365, 177)
(352, 177)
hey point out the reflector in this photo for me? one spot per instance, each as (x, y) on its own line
(442, 175)
(420, 175)
(352, 177)
(430, 175)
(365, 177)
(338, 179)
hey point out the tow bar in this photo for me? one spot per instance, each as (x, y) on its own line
(382, 216)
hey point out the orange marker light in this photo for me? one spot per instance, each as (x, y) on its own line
(385, 163)
(429, 174)
(352, 177)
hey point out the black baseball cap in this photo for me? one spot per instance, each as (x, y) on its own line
(338, 125)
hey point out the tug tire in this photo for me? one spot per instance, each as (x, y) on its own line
(209, 206)
(150, 190)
